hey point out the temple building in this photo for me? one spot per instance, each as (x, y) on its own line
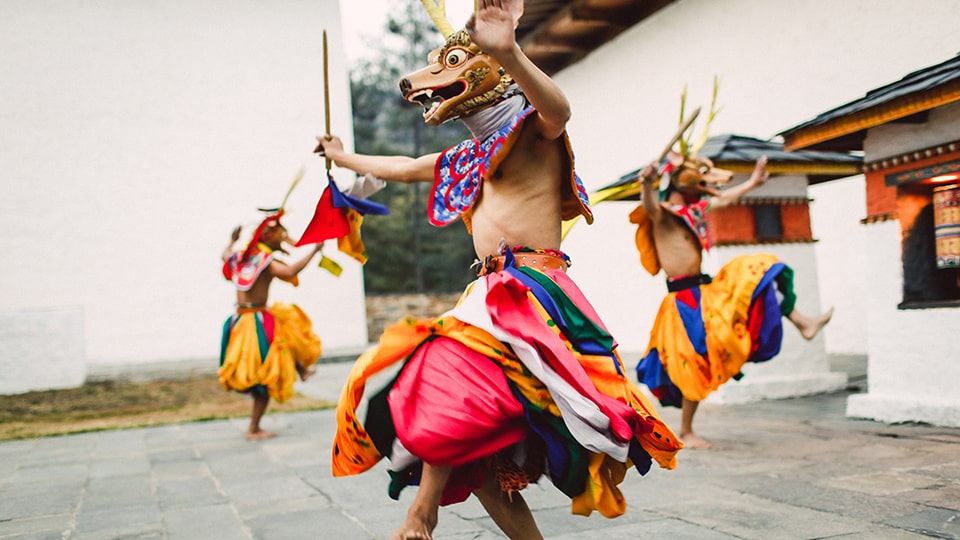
(909, 133)
(773, 218)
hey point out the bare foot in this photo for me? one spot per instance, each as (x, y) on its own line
(693, 441)
(260, 434)
(810, 326)
(306, 373)
(416, 527)
(405, 533)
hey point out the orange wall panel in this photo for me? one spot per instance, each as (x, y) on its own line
(881, 198)
(796, 222)
(732, 224)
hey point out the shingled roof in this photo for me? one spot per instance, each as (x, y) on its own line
(739, 153)
(907, 100)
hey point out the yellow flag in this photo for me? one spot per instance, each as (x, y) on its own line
(330, 265)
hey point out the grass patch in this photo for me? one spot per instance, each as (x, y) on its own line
(118, 405)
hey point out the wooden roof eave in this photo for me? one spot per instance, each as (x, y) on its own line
(896, 109)
(794, 168)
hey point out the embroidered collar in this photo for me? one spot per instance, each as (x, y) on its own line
(461, 170)
(694, 216)
(244, 273)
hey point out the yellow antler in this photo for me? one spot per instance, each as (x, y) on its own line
(438, 13)
(713, 112)
(683, 105)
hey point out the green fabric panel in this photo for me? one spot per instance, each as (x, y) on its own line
(785, 285)
(262, 338)
(579, 326)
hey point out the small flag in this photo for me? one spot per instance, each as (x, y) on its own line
(330, 265)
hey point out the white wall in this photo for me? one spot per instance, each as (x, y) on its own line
(135, 135)
(781, 63)
(835, 215)
(914, 361)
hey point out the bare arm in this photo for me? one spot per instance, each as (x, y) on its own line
(732, 195)
(492, 29)
(649, 195)
(290, 271)
(228, 251)
(390, 168)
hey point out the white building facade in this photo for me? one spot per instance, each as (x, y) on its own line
(136, 136)
(779, 63)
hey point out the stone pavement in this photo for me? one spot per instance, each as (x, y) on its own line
(792, 469)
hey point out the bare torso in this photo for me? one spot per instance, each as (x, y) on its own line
(259, 293)
(678, 249)
(520, 202)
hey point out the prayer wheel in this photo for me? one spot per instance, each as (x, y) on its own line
(946, 222)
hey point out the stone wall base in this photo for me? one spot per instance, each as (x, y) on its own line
(757, 388)
(899, 409)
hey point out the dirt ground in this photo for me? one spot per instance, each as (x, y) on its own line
(110, 405)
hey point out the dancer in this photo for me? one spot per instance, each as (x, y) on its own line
(265, 348)
(707, 327)
(521, 379)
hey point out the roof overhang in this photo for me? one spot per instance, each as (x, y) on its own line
(555, 34)
(847, 132)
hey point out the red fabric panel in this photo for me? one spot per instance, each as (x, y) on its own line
(328, 222)
(452, 405)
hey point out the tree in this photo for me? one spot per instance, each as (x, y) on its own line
(406, 253)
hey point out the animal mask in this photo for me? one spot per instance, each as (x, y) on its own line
(692, 175)
(459, 80)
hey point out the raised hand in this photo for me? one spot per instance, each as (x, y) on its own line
(492, 27)
(328, 144)
(760, 173)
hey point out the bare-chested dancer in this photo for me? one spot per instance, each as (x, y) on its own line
(523, 363)
(683, 364)
(265, 348)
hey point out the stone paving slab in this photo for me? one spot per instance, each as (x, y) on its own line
(791, 469)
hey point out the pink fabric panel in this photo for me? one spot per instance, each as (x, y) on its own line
(451, 405)
(510, 308)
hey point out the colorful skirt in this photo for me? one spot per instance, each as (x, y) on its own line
(703, 335)
(519, 380)
(260, 350)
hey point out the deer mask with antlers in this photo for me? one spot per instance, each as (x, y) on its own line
(460, 78)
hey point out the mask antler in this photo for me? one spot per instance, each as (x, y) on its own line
(705, 134)
(438, 12)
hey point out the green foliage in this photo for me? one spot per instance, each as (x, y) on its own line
(406, 253)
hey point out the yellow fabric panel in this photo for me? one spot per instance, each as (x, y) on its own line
(601, 493)
(242, 360)
(293, 342)
(724, 305)
(352, 243)
(649, 258)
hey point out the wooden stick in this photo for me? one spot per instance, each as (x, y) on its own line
(326, 93)
(676, 136)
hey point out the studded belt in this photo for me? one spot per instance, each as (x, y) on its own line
(540, 261)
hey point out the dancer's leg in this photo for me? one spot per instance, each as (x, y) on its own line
(689, 438)
(509, 511)
(422, 514)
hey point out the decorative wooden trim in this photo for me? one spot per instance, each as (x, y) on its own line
(879, 218)
(912, 156)
(765, 242)
(793, 168)
(874, 116)
(922, 173)
(779, 201)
